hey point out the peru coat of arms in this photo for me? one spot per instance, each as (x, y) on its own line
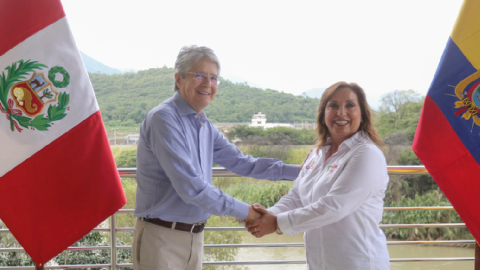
(31, 99)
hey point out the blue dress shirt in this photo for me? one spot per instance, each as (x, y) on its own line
(175, 154)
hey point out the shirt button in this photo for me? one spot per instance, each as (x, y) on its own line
(196, 116)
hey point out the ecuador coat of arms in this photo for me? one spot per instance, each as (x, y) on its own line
(468, 93)
(25, 93)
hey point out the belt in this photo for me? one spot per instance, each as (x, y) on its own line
(186, 227)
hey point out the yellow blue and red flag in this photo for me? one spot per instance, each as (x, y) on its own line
(447, 140)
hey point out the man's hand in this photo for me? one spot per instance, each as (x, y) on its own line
(265, 225)
(252, 214)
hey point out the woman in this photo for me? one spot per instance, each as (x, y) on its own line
(337, 199)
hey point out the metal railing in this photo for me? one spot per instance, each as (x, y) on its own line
(221, 172)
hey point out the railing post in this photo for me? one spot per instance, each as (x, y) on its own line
(113, 242)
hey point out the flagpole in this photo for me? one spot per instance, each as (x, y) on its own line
(477, 256)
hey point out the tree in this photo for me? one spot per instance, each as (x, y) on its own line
(399, 110)
(271, 136)
(243, 132)
(12, 258)
(92, 239)
(419, 184)
(15, 259)
(290, 136)
(128, 158)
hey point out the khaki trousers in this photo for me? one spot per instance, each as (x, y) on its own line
(157, 247)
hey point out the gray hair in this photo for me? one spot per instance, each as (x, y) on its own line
(189, 55)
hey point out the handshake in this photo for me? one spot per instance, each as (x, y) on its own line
(260, 221)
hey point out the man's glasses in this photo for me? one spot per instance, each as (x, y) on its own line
(200, 76)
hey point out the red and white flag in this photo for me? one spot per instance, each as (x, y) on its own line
(58, 178)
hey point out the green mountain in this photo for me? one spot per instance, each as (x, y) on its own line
(124, 99)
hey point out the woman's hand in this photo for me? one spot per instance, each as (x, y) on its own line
(265, 225)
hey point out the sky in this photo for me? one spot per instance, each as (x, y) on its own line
(289, 46)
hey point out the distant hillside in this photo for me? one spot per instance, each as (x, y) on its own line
(314, 93)
(94, 66)
(124, 99)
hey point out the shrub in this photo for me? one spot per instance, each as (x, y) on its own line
(430, 198)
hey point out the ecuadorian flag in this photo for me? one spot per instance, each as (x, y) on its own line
(447, 140)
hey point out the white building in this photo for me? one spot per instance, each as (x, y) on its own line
(260, 120)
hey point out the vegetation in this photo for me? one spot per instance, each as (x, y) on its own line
(127, 157)
(273, 136)
(224, 237)
(124, 99)
(430, 198)
(12, 258)
(100, 256)
(399, 110)
(251, 191)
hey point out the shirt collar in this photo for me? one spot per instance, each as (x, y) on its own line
(358, 137)
(185, 109)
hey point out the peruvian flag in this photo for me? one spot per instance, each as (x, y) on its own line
(58, 178)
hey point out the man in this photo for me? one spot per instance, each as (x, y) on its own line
(176, 151)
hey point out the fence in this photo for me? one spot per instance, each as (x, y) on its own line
(221, 172)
